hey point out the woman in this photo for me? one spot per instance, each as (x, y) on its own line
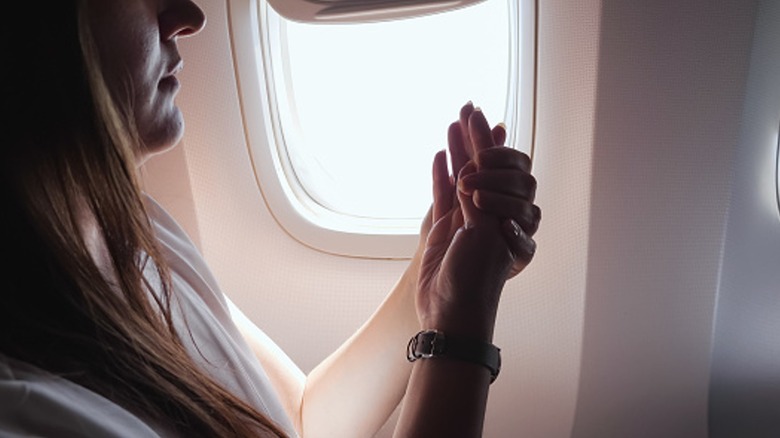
(112, 324)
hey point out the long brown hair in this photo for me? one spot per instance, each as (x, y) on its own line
(69, 150)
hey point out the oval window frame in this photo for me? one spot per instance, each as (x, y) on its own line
(298, 215)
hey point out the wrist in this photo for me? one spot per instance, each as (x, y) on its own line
(469, 310)
(475, 322)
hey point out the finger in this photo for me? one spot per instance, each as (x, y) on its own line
(499, 134)
(480, 133)
(502, 157)
(526, 214)
(522, 246)
(465, 114)
(472, 216)
(442, 187)
(427, 222)
(457, 148)
(510, 182)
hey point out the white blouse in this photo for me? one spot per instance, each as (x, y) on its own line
(34, 402)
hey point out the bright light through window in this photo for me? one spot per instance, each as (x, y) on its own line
(364, 107)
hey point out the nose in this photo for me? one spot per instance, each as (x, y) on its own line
(180, 18)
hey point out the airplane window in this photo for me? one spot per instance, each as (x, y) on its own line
(364, 107)
(351, 114)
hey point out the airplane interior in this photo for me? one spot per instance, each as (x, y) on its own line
(652, 306)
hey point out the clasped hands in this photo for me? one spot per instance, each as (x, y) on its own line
(478, 232)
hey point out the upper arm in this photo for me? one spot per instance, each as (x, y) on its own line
(287, 379)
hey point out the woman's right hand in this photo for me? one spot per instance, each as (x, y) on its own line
(480, 235)
(481, 228)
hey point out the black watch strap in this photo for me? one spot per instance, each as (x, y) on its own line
(432, 343)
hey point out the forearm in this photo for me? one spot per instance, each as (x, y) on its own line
(354, 391)
(445, 397)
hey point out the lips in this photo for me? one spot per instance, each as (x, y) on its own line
(175, 68)
(170, 82)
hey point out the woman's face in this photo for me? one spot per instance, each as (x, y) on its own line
(136, 41)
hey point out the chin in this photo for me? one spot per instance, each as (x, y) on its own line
(161, 140)
(165, 134)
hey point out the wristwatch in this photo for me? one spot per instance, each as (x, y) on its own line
(431, 343)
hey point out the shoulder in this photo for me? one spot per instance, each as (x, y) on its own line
(166, 227)
(180, 252)
(194, 283)
(37, 403)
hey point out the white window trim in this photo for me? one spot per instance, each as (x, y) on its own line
(346, 11)
(303, 219)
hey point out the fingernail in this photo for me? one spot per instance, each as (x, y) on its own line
(477, 109)
(516, 230)
(502, 125)
(530, 245)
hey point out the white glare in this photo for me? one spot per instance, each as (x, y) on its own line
(370, 103)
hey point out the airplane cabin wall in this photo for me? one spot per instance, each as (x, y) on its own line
(670, 92)
(745, 379)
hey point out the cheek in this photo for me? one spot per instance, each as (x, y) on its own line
(156, 116)
(128, 45)
(142, 68)
(132, 82)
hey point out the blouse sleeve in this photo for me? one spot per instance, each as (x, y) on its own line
(36, 403)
